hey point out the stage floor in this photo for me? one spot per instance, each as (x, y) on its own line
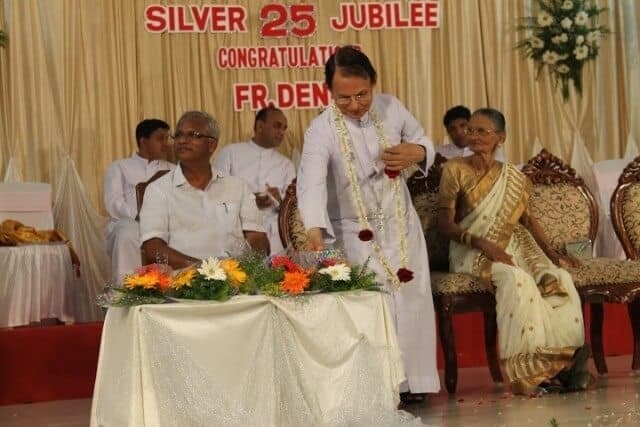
(615, 402)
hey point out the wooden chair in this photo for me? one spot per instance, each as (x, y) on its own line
(142, 186)
(290, 226)
(140, 189)
(625, 216)
(453, 293)
(568, 213)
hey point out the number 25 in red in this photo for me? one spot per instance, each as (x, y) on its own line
(303, 23)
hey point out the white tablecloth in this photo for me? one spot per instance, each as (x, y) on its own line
(322, 360)
(36, 282)
(607, 173)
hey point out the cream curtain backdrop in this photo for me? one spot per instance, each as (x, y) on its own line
(77, 76)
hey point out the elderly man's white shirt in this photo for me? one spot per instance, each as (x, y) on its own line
(122, 234)
(199, 223)
(325, 200)
(259, 167)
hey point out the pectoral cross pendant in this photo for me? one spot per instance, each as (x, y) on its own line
(379, 217)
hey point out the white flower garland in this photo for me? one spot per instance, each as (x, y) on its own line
(347, 154)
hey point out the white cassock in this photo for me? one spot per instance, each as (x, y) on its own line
(259, 167)
(325, 201)
(122, 234)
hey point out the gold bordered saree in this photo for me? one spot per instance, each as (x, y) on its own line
(538, 309)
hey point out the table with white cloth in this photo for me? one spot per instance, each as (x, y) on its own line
(37, 282)
(317, 360)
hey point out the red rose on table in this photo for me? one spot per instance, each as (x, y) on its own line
(404, 275)
(328, 262)
(365, 235)
(391, 173)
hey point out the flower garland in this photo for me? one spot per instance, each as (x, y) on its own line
(366, 234)
(563, 36)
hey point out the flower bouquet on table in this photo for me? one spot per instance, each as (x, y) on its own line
(291, 274)
(321, 271)
(147, 285)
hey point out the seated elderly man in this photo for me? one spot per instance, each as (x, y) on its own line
(195, 211)
(123, 238)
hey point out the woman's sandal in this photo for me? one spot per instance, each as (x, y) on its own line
(412, 398)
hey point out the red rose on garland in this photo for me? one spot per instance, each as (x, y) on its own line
(365, 235)
(404, 275)
(391, 173)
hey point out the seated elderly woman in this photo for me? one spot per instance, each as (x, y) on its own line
(483, 210)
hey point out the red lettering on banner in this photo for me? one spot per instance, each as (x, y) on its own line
(375, 16)
(183, 25)
(200, 16)
(387, 15)
(399, 21)
(155, 21)
(433, 15)
(254, 94)
(285, 95)
(195, 19)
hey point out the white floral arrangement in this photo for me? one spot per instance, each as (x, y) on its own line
(562, 37)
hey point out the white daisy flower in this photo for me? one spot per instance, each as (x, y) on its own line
(337, 272)
(537, 43)
(211, 269)
(550, 57)
(593, 36)
(567, 5)
(544, 19)
(579, 40)
(582, 18)
(581, 52)
(566, 23)
(563, 69)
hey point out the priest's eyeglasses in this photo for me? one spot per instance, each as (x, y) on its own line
(190, 135)
(479, 131)
(360, 98)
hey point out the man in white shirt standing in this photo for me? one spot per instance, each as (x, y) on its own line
(267, 172)
(456, 120)
(196, 211)
(123, 238)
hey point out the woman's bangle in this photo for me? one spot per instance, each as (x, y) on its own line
(465, 238)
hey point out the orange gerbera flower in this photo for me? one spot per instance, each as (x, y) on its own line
(294, 282)
(148, 277)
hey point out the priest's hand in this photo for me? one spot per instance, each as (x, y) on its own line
(403, 155)
(263, 200)
(316, 242)
(275, 193)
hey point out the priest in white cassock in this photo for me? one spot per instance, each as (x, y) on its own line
(122, 234)
(351, 193)
(267, 172)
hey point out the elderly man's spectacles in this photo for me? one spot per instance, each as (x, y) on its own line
(190, 135)
(361, 98)
(479, 131)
